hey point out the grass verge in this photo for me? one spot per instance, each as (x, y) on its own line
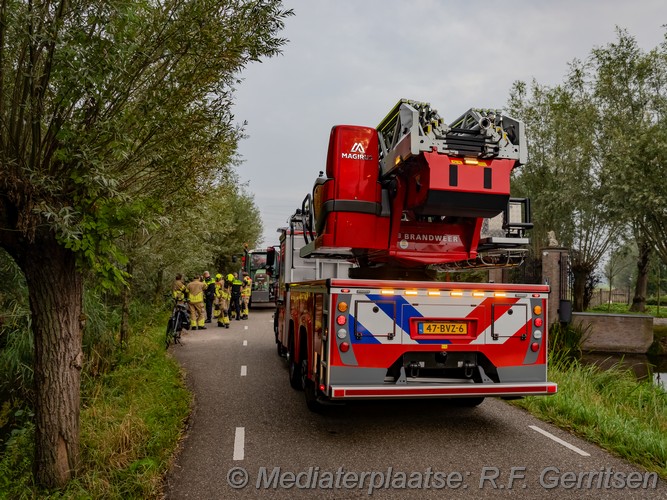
(131, 421)
(610, 408)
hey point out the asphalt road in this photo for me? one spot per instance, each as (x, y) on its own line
(251, 435)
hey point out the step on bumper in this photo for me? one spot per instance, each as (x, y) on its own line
(339, 392)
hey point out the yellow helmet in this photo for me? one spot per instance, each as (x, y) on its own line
(230, 277)
(218, 276)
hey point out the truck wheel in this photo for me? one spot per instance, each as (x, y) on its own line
(294, 369)
(304, 373)
(310, 391)
(279, 347)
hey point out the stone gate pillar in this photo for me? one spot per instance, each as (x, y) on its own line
(555, 262)
(496, 275)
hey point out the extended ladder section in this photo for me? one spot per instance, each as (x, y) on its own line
(413, 127)
(415, 192)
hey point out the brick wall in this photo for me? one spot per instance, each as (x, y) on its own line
(615, 332)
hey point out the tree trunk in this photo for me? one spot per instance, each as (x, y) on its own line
(56, 291)
(641, 286)
(579, 289)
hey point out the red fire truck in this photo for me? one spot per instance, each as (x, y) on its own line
(362, 309)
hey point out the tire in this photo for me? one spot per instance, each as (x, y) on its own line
(176, 332)
(303, 369)
(294, 368)
(279, 346)
(318, 403)
(310, 390)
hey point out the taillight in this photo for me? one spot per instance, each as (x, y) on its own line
(341, 319)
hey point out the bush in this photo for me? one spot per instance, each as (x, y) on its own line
(131, 421)
(653, 301)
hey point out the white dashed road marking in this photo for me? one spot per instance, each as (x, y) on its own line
(239, 443)
(244, 370)
(560, 441)
(245, 342)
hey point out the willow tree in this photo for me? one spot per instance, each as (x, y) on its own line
(108, 109)
(563, 174)
(629, 86)
(217, 224)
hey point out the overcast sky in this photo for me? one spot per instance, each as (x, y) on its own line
(350, 61)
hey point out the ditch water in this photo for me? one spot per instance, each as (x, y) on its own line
(659, 364)
(642, 365)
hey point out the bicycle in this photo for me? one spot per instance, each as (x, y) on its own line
(179, 320)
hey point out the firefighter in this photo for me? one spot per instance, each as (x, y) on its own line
(228, 286)
(216, 299)
(235, 300)
(196, 289)
(209, 295)
(246, 291)
(179, 291)
(222, 297)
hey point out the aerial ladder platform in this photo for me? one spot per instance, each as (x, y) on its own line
(415, 192)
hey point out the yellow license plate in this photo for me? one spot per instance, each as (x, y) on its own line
(442, 328)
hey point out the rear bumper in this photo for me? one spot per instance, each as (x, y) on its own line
(340, 392)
